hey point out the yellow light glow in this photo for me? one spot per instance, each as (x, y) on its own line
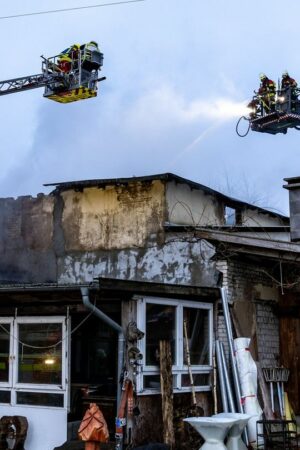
(49, 361)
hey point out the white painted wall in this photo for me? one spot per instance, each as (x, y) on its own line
(47, 427)
(253, 218)
(186, 206)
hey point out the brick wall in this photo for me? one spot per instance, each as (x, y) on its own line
(267, 334)
(251, 294)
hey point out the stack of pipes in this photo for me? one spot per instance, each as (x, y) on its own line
(242, 397)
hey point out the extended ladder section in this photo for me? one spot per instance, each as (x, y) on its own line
(22, 84)
(65, 78)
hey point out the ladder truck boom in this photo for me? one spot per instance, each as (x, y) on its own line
(70, 76)
(23, 84)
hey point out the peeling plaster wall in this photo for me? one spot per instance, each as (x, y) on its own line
(186, 206)
(176, 262)
(115, 232)
(26, 232)
(114, 217)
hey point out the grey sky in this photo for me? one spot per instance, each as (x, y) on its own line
(178, 73)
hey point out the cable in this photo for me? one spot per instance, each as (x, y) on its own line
(70, 9)
(47, 346)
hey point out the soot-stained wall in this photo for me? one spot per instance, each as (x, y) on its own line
(115, 231)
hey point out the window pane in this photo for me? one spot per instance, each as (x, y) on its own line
(4, 351)
(38, 364)
(4, 396)
(40, 399)
(153, 382)
(200, 379)
(160, 325)
(197, 323)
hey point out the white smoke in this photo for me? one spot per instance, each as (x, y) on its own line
(165, 107)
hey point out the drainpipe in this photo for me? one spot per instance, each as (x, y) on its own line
(116, 327)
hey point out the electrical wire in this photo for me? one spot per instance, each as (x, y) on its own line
(70, 9)
(47, 346)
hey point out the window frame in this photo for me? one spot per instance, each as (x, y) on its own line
(13, 385)
(179, 368)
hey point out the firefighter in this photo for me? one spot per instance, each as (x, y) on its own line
(287, 81)
(289, 87)
(267, 92)
(67, 57)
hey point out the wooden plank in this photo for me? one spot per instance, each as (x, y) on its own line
(166, 386)
(290, 358)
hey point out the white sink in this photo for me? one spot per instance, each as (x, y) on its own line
(234, 441)
(213, 430)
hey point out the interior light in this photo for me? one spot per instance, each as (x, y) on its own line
(49, 361)
(281, 99)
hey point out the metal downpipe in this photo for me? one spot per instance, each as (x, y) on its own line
(121, 339)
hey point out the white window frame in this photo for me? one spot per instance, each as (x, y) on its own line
(13, 385)
(179, 368)
(8, 384)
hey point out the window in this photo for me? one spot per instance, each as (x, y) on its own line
(232, 216)
(163, 319)
(33, 361)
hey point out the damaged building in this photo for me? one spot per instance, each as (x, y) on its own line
(95, 274)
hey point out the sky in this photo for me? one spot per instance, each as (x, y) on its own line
(179, 73)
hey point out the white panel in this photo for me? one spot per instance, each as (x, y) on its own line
(47, 427)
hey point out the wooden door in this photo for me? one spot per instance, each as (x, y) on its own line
(289, 319)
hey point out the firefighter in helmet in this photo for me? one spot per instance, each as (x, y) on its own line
(287, 81)
(267, 92)
(68, 58)
(289, 88)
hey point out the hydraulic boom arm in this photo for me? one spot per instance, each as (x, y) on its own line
(23, 84)
(70, 76)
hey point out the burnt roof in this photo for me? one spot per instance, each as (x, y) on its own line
(101, 183)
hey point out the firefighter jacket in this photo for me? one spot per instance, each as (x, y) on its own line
(267, 87)
(287, 82)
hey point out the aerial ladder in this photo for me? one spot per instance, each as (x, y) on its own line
(68, 77)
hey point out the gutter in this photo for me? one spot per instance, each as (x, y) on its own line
(121, 338)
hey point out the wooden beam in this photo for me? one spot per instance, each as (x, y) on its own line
(166, 386)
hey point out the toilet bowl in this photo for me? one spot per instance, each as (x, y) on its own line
(234, 439)
(213, 430)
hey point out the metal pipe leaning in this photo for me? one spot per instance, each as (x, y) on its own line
(232, 407)
(235, 374)
(221, 377)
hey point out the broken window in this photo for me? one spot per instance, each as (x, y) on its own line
(163, 319)
(232, 216)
